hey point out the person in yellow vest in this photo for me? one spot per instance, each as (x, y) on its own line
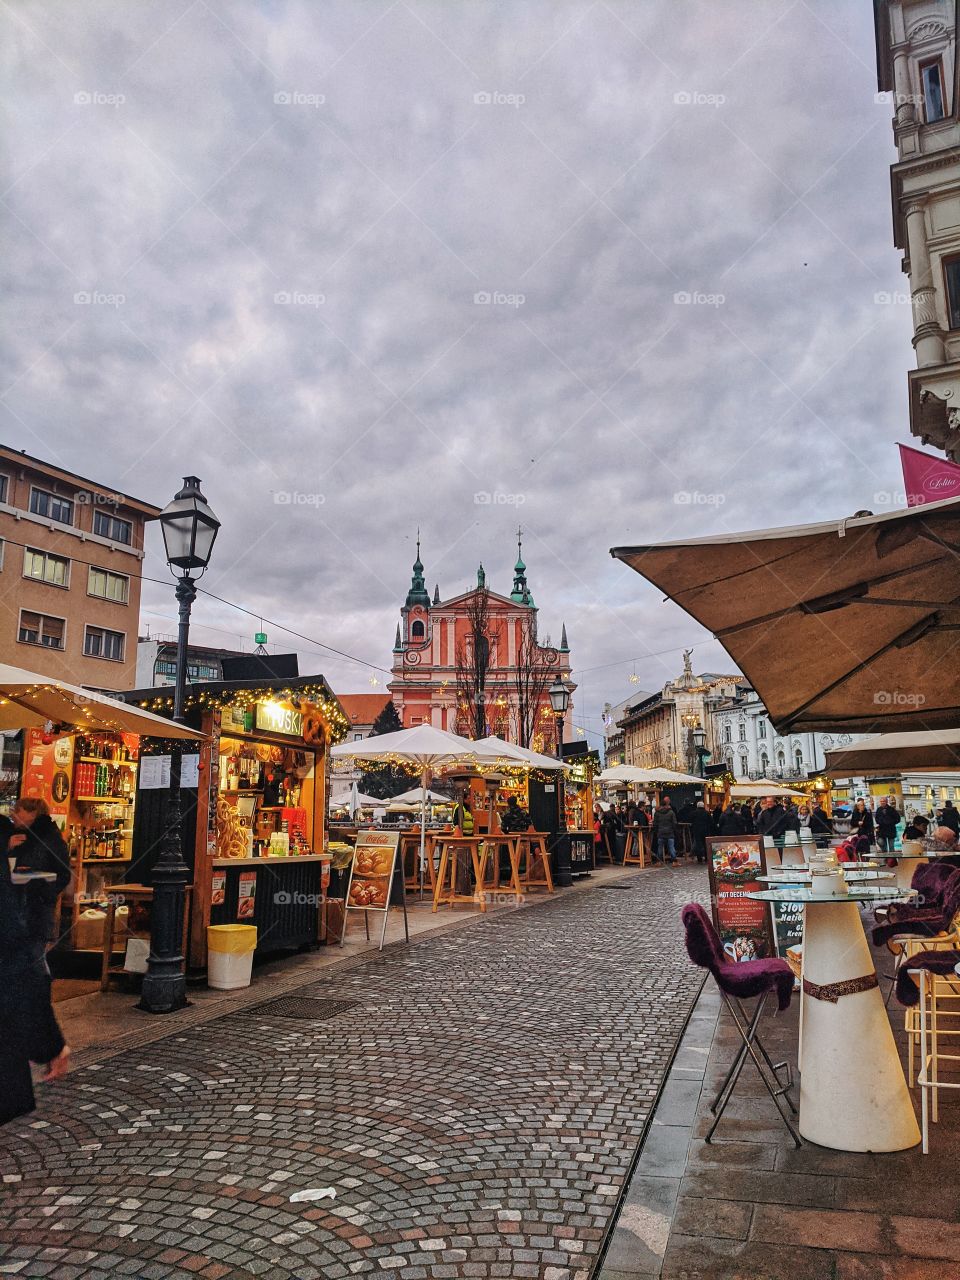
(463, 816)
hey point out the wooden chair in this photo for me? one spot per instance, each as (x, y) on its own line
(638, 847)
(492, 846)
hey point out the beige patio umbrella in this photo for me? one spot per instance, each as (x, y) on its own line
(29, 700)
(851, 624)
(934, 749)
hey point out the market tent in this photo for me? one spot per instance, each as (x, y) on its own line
(750, 790)
(850, 624)
(29, 700)
(933, 749)
(671, 776)
(424, 747)
(511, 755)
(625, 774)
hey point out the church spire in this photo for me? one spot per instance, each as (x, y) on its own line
(397, 645)
(521, 592)
(418, 587)
(564, 647)
(436, 593)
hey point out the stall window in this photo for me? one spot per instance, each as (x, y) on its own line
(44, 567)
(39, 628)
(98, 642)
(112, 527)
(931, 77)
(50, 506)
(108, 586)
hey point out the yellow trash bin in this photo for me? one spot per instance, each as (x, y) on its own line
(230, 949)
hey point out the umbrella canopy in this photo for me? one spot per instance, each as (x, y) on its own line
(851, 624)
(630, 773)
(935, 749)
(422, 745)
(748, 790)
(670, 775)
(29, 700)
(510, 754)
(417, 795)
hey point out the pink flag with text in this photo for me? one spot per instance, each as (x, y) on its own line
(928, 479)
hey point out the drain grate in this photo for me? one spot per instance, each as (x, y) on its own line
(302, 1008)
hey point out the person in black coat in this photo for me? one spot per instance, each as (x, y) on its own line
(774, 820)
(950, 817)
(29, 842)
(732, 822)
(749, 826)
(861, 822)
(701, 828)
(821, 827)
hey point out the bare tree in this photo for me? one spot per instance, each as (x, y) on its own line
(537, 665)
(473, 664)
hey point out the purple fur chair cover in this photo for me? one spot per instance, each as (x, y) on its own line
(924, 921)
(744, 979)
(940, 962)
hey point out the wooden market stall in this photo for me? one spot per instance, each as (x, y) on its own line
(254, 806)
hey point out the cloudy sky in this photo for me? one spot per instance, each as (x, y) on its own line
(618, 272)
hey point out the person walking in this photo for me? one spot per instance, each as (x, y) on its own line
(733, 823)
(663, 833)
(886, 822)
(30, 845)
(861, 823)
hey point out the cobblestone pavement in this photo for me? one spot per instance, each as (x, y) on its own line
(476, 1110)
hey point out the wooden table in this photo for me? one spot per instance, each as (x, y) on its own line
(532, 845)
(449, 848)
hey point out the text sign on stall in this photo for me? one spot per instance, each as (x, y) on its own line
(735, 863)
(275, 718)
(372, 875)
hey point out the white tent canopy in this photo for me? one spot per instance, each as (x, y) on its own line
(628, 774)
(29, 700)
(752, 790)
(416, 796)
(512, 756)
(923, 750)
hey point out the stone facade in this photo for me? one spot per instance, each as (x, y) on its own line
(658, 731)
(916, 63)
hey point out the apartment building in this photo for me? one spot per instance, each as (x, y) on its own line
(71, 551)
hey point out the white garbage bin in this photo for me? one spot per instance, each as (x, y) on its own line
(230, 949)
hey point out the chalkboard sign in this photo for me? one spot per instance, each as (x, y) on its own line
(744, 924)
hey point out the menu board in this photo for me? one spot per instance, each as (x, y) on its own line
(744, 924)
(372, 870)
(247, 895)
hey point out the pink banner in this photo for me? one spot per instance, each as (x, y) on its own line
(928, 479)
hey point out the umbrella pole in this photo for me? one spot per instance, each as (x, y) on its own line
(423, 824)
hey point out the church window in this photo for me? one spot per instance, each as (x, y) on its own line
(417, 631)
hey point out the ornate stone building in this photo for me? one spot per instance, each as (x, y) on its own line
(661, 730)
(749, 746)
(441, 675)
(916, 64)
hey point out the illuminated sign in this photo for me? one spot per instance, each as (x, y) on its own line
(275, 718)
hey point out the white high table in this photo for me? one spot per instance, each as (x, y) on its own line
(846, 1032)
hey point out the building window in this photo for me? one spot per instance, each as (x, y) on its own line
(743, 733)
(418, 631)
(39, 628)
(727, 733)
(761, 728)
(112, 527)
(931, 78)
(358, 737)
(50, 506)
(743, 766)
(108, 586)
(951, 272)
(4, 486)
(98, 642)
(798, 756)
(44, 567)
(764, 764)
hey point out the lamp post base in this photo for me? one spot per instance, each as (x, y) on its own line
(163, 993)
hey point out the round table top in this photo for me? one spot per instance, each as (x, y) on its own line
(857, 893)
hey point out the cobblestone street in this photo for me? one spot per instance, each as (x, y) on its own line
(475, 1102)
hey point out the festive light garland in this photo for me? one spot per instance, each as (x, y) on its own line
(247, 699)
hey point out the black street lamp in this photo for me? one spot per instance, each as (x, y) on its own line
(189, 531)
(700, 746)
(559, 696)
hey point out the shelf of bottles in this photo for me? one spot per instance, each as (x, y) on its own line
(104, 788)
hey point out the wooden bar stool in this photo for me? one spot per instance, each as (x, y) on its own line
(410, 848)
(445, 888)
(635, 853)
(533, 849)
(491, 856)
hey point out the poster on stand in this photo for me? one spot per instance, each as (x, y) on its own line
(788, 933)
(376, 878)
(744, 924)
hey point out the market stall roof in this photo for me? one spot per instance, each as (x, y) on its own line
(629, 773)
(29, 700)
(513, 755)
(671, 775)
(312, 688)
(851, 624)
(932, 749)
(748, 790)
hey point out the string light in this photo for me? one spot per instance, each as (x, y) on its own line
(246, 699)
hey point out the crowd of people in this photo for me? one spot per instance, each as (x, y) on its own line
(770, 816)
